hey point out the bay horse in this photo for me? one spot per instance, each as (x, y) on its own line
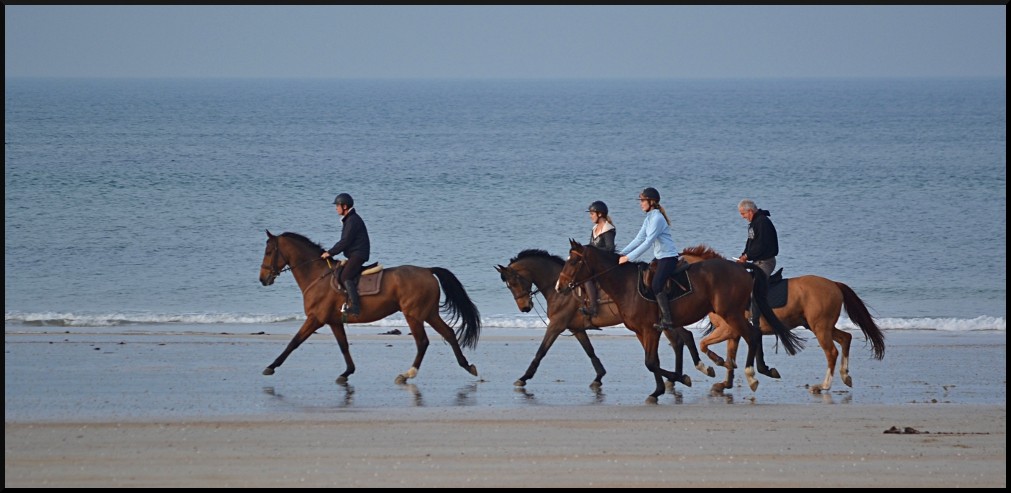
(413, 291)
(815, 303)
(718, 286)
(535, 271)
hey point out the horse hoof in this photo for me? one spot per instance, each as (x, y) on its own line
(595, 384)
(848, 381)
(651, 399)
(669, 385)
(472, 370)
(400, 380)
(342, 380)
(717, 388)
(268, 371)
(710, 372)
(520, 383)
(773, 373)
(753, 385)
(815, 389)
(686, 380)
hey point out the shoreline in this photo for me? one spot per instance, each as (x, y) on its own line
(194, 410)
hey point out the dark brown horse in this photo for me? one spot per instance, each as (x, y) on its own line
(815, 303)
(539, 269)
(413, 291)
(718, 286)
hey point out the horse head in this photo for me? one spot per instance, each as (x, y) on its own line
(273, 261)
(519, 286)
(575, 271)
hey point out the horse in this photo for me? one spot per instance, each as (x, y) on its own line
(718, 286)
(411, 290)
(815, 303)
(537, 268)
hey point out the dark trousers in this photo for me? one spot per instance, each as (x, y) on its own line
(353, 268)
(664, 268)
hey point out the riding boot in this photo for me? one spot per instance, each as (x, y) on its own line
(591, 299)
(353, 307)
(664, 306)
(756, 316)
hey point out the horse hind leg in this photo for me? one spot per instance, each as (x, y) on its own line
(825, 337)
(844, 338)
(446, 332)
(421, 341)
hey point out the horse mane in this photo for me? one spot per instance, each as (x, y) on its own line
(535, 253)
(703, 251)
(302, 239)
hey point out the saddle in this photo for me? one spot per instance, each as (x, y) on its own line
(677, 286)
(369, 282)
(778, 287)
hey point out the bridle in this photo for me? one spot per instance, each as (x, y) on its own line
(582, 260)
(527, 293)
(274, 272)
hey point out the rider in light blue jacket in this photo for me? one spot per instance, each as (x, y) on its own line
(655, 232)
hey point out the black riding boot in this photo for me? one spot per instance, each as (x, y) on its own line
(353, 307)
(665, 318)
(756, 316)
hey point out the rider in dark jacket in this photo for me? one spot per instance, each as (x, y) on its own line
(602, 237)
(355, 245)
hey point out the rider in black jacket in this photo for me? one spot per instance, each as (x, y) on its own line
(355, 245)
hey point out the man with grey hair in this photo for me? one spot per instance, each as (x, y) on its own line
(762, 245)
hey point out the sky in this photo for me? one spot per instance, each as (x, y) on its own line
(520, 41)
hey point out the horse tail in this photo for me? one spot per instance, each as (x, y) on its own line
(791, 342)
(460, 307)
(858, 313)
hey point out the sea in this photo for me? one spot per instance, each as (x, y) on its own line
(143, 204)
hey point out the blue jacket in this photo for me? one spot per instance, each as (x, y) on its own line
(655, 232)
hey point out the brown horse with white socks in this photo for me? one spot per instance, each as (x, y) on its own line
(718, 286)
(413, 291)
(813, 302)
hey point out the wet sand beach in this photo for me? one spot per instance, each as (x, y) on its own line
(181, 408)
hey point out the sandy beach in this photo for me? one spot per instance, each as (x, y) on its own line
(192, 410)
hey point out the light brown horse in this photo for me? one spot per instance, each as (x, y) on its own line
(413, 291)
(813, 302)
(539, 269)
(718, 286)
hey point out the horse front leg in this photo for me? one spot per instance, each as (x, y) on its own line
(754, 351)
(550, 336)
(584, 340)
(650, 346)
(421, 341)
(689, 340)
(342, 341)
(308, 327)
(676, 337)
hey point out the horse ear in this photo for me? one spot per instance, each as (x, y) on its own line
(499, 268)
(573, 243)
(268, 233)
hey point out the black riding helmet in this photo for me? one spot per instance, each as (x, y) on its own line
(597, 206)
(649, 193)
(345, 199)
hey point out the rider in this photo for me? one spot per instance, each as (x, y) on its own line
(762, 245)
(602, 237)
(354, 243)
(655, 232)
